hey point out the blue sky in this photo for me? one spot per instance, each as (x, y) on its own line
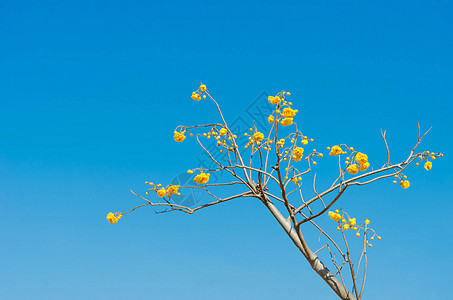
(90, 92)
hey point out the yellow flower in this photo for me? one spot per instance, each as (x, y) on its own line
(196, 96)
(286, 121)
(298, 153)
(405, 184)
(161, 192)
(274, 100)
(352, 221)
(189, 171)
(179, 136)
(258, 136)
(364, 166)
(428, 165)
(203, 87)
(346, 226)
(304, 142)
(111, 218)
(361, 158)
(202, 178)
(281, 142)
(334, 216)
(270, 119)
(289, 113)
(223, 131)
(172, 189)
(336, 150)
(353, 169)
(367, 221)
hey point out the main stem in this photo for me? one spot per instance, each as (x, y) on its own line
(311, 257)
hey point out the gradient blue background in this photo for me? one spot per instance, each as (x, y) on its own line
(90, 92)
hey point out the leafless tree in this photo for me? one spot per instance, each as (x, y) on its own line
(269, 168)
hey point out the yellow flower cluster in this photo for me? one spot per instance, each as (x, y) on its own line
(196, 96)
(222, 137)
(298, 152)
(364, 166)
(258, 136)
(405, 184)
(362, 160)
(199, 93)
(351, 223)
(202, 178)
(353, 169)
(296, 180)
(336, 150)
(286, 121)
(274, 100)
(172, 190)
(288, 112)
(113, 217)
(334, 216)
(169, 191)
(161, 193)
(425, 155)
(179, 136)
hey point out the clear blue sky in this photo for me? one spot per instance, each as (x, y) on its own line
(90, 92)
